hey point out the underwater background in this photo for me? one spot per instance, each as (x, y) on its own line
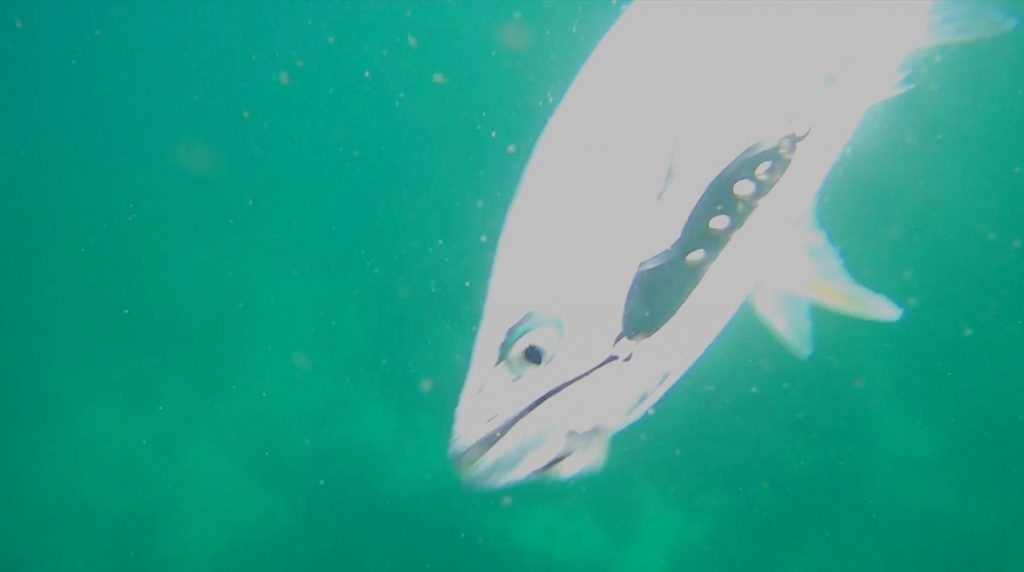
(244, 247)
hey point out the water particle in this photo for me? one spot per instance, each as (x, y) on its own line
(439, 78)
(514, 36)
(301, 361)
(426, 385)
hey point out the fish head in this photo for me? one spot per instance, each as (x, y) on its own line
(546, 386)
(541, 400)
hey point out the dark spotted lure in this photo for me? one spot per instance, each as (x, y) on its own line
(663, 282)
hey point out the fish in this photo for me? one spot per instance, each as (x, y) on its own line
(677, 180)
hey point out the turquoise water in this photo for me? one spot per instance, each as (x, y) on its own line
(242, 260)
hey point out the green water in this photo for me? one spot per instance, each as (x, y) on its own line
(242, 260)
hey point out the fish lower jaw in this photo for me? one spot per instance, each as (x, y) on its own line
(589, 453)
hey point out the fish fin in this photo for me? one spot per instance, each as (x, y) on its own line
(830, 285)
(816, 276)
(961, 21)
(787, 316)
(820, 277)
(854, 300)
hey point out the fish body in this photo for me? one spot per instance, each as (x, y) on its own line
(675, 181)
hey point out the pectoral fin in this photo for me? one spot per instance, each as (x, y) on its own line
(816, 276)
(788, 317)
(852, 299)
(826, 283)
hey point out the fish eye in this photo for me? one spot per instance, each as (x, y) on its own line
(531, 351)
(530, 343)
(533, 354)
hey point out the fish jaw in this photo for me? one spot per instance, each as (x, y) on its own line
(561, 434)
(551, 456)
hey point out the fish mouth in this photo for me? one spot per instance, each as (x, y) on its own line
(476, 469)
(555, 455)
(491, 474)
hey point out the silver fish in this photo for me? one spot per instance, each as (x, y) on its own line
(675, 181)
